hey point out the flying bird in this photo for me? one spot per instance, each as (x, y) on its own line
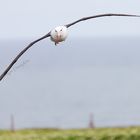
(57, 35)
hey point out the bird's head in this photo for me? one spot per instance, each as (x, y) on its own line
(59, 34)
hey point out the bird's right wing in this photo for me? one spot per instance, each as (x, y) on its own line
(20, 54)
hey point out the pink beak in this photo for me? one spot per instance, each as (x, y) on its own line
(58, 38)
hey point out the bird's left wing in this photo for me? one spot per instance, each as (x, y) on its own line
(97, 16)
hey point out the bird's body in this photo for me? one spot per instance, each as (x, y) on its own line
(57, 35)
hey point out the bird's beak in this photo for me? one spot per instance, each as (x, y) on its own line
(58, 38)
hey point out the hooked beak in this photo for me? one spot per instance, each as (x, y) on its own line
(58, 39)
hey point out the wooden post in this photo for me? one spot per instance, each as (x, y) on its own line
(12, 123)
(91, 121)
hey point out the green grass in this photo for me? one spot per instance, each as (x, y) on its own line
(131, 133)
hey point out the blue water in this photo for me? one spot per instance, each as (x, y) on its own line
(60, 86)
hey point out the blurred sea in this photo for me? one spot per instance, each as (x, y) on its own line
(60, 86)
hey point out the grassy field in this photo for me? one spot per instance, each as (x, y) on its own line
(131, 133)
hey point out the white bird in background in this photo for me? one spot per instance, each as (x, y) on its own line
(57, 35)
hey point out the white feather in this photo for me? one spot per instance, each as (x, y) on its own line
(59, 34)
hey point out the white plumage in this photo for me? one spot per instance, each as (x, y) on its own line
(59, 34)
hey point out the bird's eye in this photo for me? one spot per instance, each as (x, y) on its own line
(56, 31)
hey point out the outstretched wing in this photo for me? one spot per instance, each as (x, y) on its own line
(97, 16)
(20, 54)
(47, 35)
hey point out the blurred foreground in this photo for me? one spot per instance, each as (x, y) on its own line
(130, 133)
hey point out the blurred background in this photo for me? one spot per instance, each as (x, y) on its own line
(90, 80)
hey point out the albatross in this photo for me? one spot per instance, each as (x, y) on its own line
(57, 35)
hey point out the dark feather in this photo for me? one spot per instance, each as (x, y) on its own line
(97, 16)
(20, 54)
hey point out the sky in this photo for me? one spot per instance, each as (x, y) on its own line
(97, 67)
(34, 18)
